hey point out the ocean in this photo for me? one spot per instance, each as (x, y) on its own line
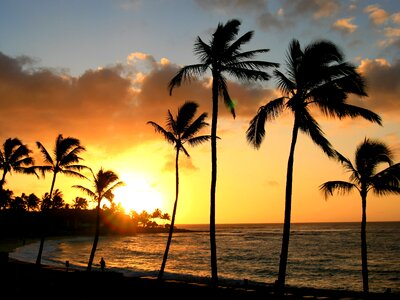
(321, 255)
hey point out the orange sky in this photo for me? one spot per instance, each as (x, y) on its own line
(108, 110)
(99, 70)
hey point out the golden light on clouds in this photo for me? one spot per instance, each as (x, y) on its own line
(376, 14)
(345, 25)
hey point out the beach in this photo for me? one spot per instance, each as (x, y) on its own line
(22, 280)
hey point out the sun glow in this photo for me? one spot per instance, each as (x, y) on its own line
(137, 194)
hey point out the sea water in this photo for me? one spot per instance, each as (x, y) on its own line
(321, 255)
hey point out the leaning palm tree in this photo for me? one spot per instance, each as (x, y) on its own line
(104, 183)
(365, 176)
(66, 156)
(180, 130)
(222, 56)
(15, 156)
(316, 76)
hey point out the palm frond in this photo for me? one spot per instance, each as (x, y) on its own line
(186, 74)
(234, 48)
(108, 194)
(169, 137)
(186, 113)
(203, 51)
(46, 156)
(285, 84)
(341, 187)
(86, 191)
(256, 131)
(195, 127)
(241, 72)
(73, 173)
(387, 180)
(199, 140)
(310, 126)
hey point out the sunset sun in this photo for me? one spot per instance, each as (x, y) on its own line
(137, 194)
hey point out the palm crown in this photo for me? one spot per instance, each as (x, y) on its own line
(15, 156)
(223, 55)
(318, 76)
(183, 128)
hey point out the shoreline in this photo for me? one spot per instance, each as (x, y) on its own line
(20, 280)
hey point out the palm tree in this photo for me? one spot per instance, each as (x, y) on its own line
(15, 156)
(316, 76)
(80, 203)
(180, 130)
(104, 183)
(222, 56)
(66, 156)
(365, 176)
(32, 202)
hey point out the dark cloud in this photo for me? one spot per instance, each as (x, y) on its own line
(232, 5)
(383, 85)
(108, 107)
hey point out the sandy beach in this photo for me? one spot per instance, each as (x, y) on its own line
(21, 280)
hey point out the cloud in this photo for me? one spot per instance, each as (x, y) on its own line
(107, 107)
(395, 18)
(223, 6)
(345, 25)
(382, 85)
(377, 15)
(317, 8)
(268, 20)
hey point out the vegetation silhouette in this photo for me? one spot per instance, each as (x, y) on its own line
(364, 177)
(316, 76)
(15, 156)
(178, 131)
(104, 183)
(222, 56)
(66, 156)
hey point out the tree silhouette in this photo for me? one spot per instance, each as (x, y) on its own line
(180, 130)
(365, 176)
(32, 202)
(222, 56)
(104, 183)
(80, 203)
(15, 156)
(316, 76)
(66, 156)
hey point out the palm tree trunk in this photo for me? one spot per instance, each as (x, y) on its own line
(364, 259)
(96, 237)
(171, 228)
(213, 243)
(288, 208)
(3, 178)
(43, 224)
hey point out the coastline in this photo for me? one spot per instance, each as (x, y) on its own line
(20, 280)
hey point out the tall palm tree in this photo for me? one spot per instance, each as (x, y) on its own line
(316, 76)
(365, 176)
(15, 156)
(180, 130)
(104, 183)
(222, 56)
(65, 161)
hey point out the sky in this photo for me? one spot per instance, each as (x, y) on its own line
(99, 70)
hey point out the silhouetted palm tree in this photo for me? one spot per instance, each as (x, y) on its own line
(80, 203)
(15, 156)
(180, 130)
(364, 177)
(104, 183)
(32, 202)
(66, 156)
(316, 76)
(222, 56)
